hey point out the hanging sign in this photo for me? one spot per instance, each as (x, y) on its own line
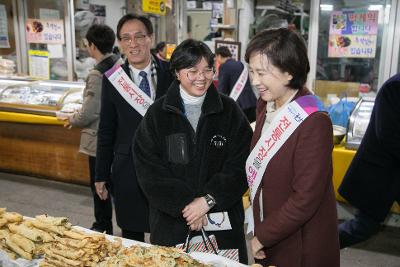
(154, 6)
(45, 31)
(39, 64)
(353, 33)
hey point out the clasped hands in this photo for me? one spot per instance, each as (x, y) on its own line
(195, 213)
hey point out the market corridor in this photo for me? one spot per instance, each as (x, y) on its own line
(31, 196)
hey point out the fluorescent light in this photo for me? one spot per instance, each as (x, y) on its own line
(326, 7)
(375, 7)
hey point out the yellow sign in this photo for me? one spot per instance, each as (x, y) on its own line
(39, 64)
(154, 6)
(170, 50)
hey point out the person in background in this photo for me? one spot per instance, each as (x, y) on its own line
(99, 43)
(161, 51)
(229, 72)
(294, 205)
(118, 123)
(372, 182)
(190, 151)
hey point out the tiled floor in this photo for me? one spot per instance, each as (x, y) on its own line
(32, 196)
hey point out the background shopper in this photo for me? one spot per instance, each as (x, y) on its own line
(99, 43)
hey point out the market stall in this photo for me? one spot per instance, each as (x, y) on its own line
(32, 140)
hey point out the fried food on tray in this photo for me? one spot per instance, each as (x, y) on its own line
(48, 227)
(3, 222)
(152, 256)
(12, 217)
(46, 219)
(24, 230)
(2, 210)
(23, 242)
(14, 247)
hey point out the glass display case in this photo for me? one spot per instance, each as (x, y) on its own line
(358, 122)
(40, 97)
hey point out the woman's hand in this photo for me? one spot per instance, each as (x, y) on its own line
(101, 190)
(195, 210)
(257, 249)
(197, 225)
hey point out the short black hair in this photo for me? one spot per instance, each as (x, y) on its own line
(188, 53)
(102, 36)
(160, 46)
(286, 50)
(223, 51)
(147, 23)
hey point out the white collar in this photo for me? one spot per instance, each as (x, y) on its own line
(191, 100)
(271, 107)
(136, 72)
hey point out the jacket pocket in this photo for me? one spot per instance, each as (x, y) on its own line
(177, 148)
(89, 140)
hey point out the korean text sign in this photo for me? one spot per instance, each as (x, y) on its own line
(45, 31)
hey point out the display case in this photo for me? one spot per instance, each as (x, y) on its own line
(41, 97)
(33, 140)
(358, 122)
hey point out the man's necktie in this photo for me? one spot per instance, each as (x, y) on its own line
(144, 84)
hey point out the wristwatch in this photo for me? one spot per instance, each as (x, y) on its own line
(210, 201)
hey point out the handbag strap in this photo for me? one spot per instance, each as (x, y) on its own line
(204, 236)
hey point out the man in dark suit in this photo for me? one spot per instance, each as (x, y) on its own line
(119, 121)
(228, 74)
(372, 182)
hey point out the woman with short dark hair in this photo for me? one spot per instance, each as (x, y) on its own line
(190, 151)
(290, 167)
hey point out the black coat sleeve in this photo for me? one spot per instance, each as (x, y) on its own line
(106, 134)
(224, 81)
(229, 185)
(387, 118)
(164, 191)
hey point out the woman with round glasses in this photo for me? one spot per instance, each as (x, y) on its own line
(190, 153)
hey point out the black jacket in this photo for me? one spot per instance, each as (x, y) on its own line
(228, 75)
(118, 123)
(176, 165)
(372, 182)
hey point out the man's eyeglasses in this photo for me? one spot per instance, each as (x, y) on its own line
(208, 74)
(139, 38)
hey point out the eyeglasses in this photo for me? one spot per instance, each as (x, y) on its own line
(208, 74)
(139, 38)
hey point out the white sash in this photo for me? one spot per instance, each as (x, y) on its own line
(139, 100)
(240, 83)
(280, 129)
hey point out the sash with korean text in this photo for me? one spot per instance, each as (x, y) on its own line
(128, 89)
(240, 83)
(280, 129)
